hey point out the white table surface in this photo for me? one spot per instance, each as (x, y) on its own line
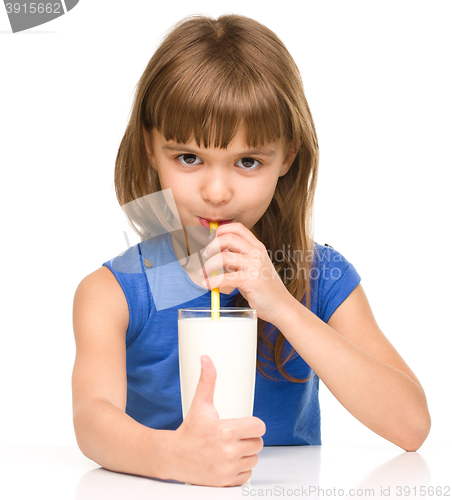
(64, 473)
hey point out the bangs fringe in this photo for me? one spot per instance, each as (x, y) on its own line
(212, 103)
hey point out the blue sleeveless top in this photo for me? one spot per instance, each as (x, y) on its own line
(154, 293)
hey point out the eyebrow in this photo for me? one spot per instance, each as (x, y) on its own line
(259, 152)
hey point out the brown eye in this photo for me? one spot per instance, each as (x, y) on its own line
(248, 163)
(188, 159)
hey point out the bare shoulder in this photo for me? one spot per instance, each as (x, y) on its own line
(102, 281)
(100, 293)
(100, 318)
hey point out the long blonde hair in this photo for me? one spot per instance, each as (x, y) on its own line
(208, 80)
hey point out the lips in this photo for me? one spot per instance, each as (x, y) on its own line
(206, 222)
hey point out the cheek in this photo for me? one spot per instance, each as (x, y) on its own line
(182, 196)
(257, 198)
(167, 178)
(262, 193)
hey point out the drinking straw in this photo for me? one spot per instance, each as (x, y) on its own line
(215, 294)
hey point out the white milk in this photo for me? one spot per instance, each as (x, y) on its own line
(231, 344)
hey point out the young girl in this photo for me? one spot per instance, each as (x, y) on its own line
(220, 120)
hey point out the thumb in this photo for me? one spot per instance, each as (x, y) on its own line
(206, 385)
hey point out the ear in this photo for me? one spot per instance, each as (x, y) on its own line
(291, 154)
(147, 136)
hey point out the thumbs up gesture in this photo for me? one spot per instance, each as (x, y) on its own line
(210, 451)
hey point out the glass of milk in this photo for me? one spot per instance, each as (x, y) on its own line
(231, 343)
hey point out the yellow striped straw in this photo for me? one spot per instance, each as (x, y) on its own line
(215, 294)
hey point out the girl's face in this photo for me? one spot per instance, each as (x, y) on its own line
(211, 184)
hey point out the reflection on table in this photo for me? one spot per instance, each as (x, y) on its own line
(62, 472)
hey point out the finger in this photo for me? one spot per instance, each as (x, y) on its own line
(224, 260)
(244, 468)
(240, 230)
(233, 242)
(241, 478)
(249, 447)
(213, 246)
(206, 385)
(246, 427)
(248, 463)
(225, 279)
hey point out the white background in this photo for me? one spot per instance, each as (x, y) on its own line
(377, 76)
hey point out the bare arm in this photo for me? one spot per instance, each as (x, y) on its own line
(361, 368)
(203, 450)
(104, 432)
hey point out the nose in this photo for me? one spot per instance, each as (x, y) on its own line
(217, 188)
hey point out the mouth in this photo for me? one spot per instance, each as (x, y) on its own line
(206, 222)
